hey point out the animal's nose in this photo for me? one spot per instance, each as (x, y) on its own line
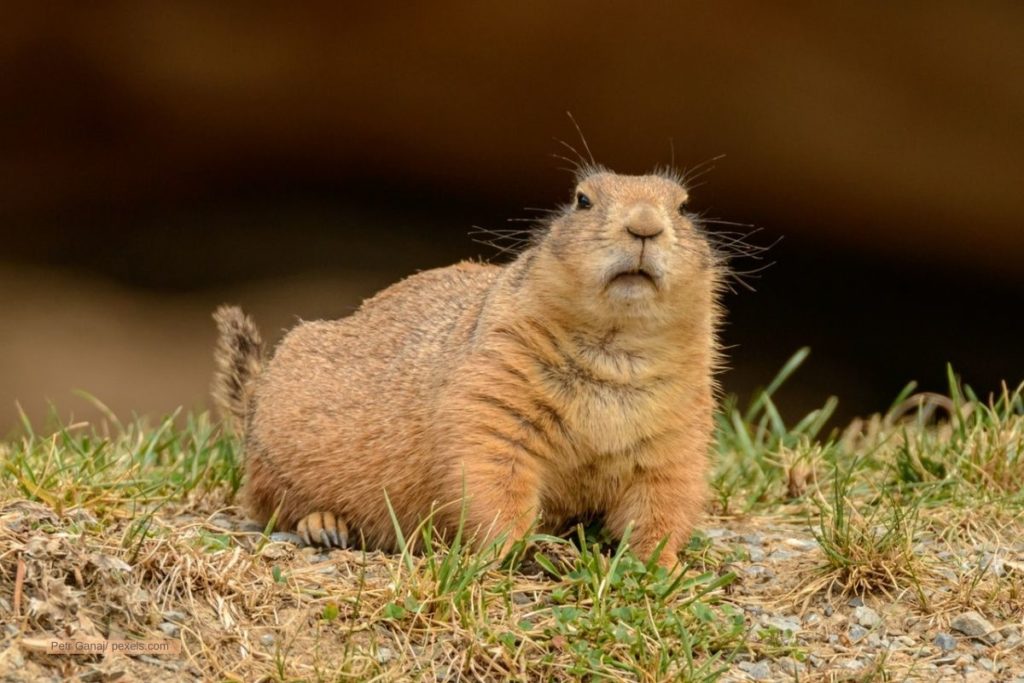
(643, 222)
(645, 229)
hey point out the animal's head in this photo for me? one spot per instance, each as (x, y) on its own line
(625, 248)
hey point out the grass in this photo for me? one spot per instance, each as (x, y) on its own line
(132, 530)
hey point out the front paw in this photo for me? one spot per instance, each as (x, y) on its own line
(323, 529)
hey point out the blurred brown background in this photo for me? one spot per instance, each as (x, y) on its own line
(159, 158)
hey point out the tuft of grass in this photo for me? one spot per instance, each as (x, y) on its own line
(868, 541)
(618, 615)
(124, 472)
(759, 451)
(874, 492)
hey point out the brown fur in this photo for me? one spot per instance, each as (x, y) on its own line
(541, 389)
(239, 360)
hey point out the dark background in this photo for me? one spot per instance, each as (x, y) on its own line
(157, 159)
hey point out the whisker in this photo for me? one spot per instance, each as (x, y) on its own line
(581, 160)
(583, 139)
(719, 221)
(575, 164)
(699, 170)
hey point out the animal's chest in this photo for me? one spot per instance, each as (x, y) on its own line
(611, 438)
(612, 420)
(607, 413)
(615, 414)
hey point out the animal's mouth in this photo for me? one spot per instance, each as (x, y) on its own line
(634, 276)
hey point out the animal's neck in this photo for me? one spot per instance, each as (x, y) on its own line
(626, 349)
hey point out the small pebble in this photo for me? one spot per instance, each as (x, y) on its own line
(170, 630)
(759, 571)
(856, 602)
(801, 544)
(222, 522)
(276, 551)
(175, 615)
(907, 641)
(867, 617)
(385, 654)
(759, 671)
(993, 563)
(986, 664)
(521, 598)
(718, 533)
(791, 666)
(286, 537)
(783, 624)
(755, 554)
(964, 661)
(857, 632)
(945, 642)
(828, 610)
(267, 640)
(780, 555)
(14, 660)
(976, 626)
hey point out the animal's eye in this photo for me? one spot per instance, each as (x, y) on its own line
(682, 209)
(582, 201)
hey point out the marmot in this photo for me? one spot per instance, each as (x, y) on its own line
(574, 383)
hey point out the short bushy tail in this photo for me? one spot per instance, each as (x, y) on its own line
(239, 358)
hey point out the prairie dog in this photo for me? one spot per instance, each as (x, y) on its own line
(575, 382)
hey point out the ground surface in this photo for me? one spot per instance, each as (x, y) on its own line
(889, 551)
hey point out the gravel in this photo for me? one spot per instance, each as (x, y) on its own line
(842, 636)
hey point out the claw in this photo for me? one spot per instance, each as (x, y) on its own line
(323, 529)
(303, 531)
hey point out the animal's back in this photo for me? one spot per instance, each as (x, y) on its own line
(345, 406)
